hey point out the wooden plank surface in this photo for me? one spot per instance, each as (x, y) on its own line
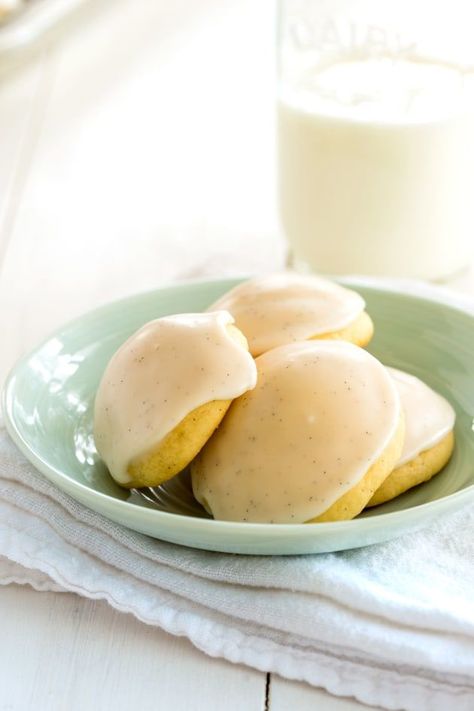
(285, 695)
(61, 652)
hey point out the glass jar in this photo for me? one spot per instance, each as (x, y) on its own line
(376, 135)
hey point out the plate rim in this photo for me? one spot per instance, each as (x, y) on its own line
(294, 530)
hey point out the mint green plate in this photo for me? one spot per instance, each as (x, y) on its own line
(49, 395)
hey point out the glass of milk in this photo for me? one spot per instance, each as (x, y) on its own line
(376, 135)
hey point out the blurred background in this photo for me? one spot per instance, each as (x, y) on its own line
(136, 147)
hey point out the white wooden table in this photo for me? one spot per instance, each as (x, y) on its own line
(136, 149)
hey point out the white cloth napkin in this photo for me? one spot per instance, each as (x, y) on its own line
(392, 624)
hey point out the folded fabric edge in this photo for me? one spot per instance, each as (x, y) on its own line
(12, 573)
(185, 589)
(419, 618)
(374, 686)
(369, 683)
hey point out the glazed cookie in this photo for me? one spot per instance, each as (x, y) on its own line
(429, 437)
(165, 391)
(282, 308)
(312, 442)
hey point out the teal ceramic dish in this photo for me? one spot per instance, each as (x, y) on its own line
(48, 401)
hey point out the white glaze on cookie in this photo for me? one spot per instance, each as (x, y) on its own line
(282, 308)
(428, 416)
(321, 414)
(159, 375)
